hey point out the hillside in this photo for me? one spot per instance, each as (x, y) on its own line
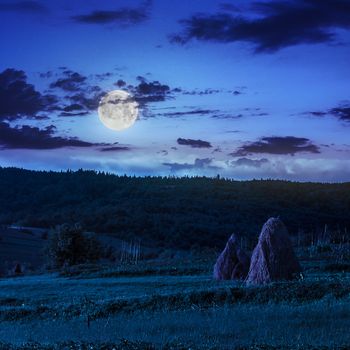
(172, 212)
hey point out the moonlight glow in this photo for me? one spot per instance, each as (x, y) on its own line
(118, 110)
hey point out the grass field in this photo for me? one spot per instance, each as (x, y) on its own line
(162, 305)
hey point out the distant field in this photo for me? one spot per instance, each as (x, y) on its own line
(23, 246)
(26, 246)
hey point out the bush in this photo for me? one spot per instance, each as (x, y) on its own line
(68, 245)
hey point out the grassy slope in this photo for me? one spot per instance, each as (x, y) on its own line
(178, 309)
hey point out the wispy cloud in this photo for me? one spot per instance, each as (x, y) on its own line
(194, 143)
(124, 16)
(23, 7)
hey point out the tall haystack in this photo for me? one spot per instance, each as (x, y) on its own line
(233, 262)
(273, 258)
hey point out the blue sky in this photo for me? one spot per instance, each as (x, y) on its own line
(244, 89)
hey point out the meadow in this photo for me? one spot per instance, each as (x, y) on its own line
(166, 305)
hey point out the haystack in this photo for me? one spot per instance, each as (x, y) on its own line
(273, 258)
(233, 262)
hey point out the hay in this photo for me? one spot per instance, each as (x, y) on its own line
(233, 262)
(273, 258)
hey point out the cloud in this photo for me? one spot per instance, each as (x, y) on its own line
(207, 91)
(318, 114)
(194, 143)
(72, 81)
(81, 97)
(198, 164)
(273, 26)
(199, 92)
(227, 116)
(278, 145)
(192, 112)
(153, 91)
(19, 99)
(23, 6)
(27, 137)
(73, 108)
(255, 163)
(152, 88)
(88, 100)
(74, 114)
(123, 16)
(103, 76)
(120, 83)
(115, 149)
(342, 112)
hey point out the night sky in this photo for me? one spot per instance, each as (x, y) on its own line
(244, 89)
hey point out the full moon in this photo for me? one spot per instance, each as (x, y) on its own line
(118, 110)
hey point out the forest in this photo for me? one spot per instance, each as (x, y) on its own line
(171, 212)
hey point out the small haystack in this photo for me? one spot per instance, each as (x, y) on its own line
(273, 258)
(233, 262)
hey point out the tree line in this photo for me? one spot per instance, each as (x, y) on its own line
(186, 212)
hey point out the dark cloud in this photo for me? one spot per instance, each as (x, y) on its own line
(232, 131)
(341, 112)
(276, 25)
(73, 108)
(163, 152)
(23, 6)
(89, 101)
(73, 114)
(248, 112)
(82, 97)
(153, 91)
(208, 91)
(227, 116)
(192, 112)
(152, 88)
(72, 81)
(318, 114)
(255, 163)
(104, 76)
(115, 149)
(278, 145)
(141, 79)
(19, 99)
(261, 114)
(194, 143)
(146, 92)
(120, 83)
(201, 92)
(217, 150)
(198, 164)
(27, 137)
(123, 16)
